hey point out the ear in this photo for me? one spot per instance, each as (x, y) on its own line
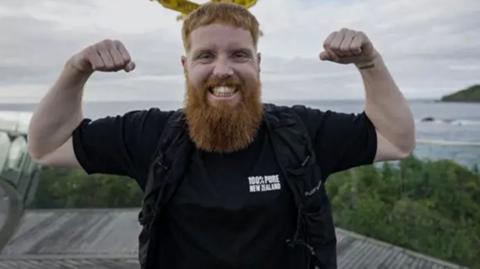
(259, 60)
(183, 59)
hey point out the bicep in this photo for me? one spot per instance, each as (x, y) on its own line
(63, 156)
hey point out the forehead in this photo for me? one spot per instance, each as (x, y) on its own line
(217, 36)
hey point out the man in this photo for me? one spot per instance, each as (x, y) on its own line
(233, 208)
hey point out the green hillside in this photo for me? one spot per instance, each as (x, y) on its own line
(470, 94)
(432, 207)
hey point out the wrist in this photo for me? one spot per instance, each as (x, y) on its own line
(370, 63)
(72, 67)
(72, 75)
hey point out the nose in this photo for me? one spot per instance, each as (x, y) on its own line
(222, 69)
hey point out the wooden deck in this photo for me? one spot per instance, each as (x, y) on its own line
(107, 239)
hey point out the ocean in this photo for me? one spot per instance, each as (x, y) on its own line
(443, 130)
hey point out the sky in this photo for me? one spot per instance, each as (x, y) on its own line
(431, 47)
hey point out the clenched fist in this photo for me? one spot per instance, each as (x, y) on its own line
(107, 55)
(348, 46)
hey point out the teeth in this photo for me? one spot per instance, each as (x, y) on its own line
(223, 91)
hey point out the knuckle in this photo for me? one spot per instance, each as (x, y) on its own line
(109, 44)
(100, 46)
(332, 35)
(106, 43)
(91, 49)
(117, 43)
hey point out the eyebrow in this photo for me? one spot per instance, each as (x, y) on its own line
(200, 51)
(204, 50)
(248, 51)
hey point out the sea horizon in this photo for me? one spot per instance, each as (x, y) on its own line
(444, 130)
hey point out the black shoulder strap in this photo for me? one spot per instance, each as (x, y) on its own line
(293, 150)
(175, 123)
(167, 168)
(174, 129)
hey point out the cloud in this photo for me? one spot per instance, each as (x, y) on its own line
(46, 35)
(430, 46)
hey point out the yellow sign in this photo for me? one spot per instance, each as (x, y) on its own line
(185, 6)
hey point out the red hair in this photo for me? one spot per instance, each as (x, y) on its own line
(224, 13)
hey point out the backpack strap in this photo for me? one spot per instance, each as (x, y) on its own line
(173, 133)
(170, 133)
(294, 153)
(293, 150)
(173, 151)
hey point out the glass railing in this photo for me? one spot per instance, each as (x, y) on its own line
(18, 173)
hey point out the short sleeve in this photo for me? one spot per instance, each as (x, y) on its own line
(120, 145)
(340, 140)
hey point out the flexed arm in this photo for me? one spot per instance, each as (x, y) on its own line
(385, 105)
(60, 110)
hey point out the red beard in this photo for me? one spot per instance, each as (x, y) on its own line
(223, 128)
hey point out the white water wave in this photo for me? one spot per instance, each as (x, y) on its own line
(449, 121)
(448, 142)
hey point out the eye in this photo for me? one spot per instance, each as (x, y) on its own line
(241, 56)
(205, 55)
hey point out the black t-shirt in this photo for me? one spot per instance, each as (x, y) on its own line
(231, 210)
(221, 217)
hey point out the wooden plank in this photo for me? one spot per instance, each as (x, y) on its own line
(107, 238)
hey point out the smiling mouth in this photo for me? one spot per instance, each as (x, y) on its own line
(223, 91)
